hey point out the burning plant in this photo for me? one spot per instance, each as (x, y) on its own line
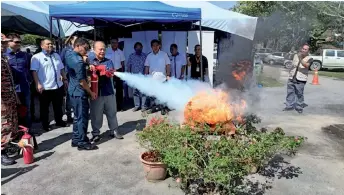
(213, 109)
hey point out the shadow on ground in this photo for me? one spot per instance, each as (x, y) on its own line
(50, 144)
(12, 173)
(124, 129)
(276, 168)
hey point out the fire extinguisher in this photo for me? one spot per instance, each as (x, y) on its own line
(28, 148)
(94, 82)
(26, 145)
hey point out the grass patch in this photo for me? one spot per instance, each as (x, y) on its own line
(267, 81)
(336, 73)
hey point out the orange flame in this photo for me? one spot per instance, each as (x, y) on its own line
(213, 108)
(241, 69)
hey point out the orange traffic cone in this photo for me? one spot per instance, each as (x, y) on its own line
(315, 78)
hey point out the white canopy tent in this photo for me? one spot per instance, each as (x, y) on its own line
(217, 18)
(33, 17)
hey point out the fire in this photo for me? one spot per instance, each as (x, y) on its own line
(213, 108)
(241, 70)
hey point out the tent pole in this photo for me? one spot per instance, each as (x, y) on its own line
(200, 42)
(51, 27)
(94, 33)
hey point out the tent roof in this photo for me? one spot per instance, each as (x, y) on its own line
(123, 12)
(33, 17)
(217, 18)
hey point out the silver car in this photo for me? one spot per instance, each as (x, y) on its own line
(275, 58)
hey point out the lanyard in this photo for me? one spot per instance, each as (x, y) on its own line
(175, 67)
(55, 74)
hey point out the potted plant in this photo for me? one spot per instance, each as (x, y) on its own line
(154, 168)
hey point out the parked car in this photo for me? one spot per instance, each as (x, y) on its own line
(262, 53)
(330, 59)
(275, 58)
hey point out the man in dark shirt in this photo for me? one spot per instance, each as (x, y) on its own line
(78, 90)
(106, 101)
(195, 63)
(20, 65)
(64, 53)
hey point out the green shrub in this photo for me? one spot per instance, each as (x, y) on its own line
(218, 161)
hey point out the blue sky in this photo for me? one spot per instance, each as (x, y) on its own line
(224, 4)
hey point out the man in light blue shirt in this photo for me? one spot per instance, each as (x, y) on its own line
(47, 70)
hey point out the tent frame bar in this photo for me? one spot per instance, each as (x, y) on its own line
(95, 37)
(200, 42)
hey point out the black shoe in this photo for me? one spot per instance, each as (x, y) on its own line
(304, 105)
(61, 124)
(96, 139)
(136, 109)
(70, 119)
(164, 112)
(288, 109)
(5, 160)
(87, 147)
(116, 135)
(74, 145)
(149, 111)
(153, 110)
(47, 128)
(300, 111)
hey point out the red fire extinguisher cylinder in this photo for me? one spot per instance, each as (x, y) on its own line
(27, 150)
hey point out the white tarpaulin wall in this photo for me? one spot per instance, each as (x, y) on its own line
(177, 37)
(38, 12)
(220, 19)
(207, 50)
(145, 37)
(128, 49)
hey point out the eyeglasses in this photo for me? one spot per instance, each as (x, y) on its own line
(86, 48)
(16, 42)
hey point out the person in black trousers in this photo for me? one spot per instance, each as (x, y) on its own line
(47, 69)
(116, 55)
(78, 90)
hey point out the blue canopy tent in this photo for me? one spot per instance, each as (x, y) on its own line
(124, 13)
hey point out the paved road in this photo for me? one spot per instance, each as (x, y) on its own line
(115, 168)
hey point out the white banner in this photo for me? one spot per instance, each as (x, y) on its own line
(177, 37)
(145, 37)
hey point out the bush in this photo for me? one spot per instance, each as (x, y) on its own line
(216, 163)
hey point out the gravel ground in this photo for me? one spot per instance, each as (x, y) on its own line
(115, 168)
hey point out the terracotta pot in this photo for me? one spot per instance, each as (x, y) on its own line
(154, 171)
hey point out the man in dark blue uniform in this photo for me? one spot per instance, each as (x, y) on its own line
(78, 91)
(64, 53)
(20, 65)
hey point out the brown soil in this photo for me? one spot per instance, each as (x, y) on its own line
(151, 156)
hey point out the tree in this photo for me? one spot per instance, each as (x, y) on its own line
(287, 24)
(29, 39)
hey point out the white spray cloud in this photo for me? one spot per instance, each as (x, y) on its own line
(174, 93)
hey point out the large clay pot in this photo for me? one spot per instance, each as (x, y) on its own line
(154, 171)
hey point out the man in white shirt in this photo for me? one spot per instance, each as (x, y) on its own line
(117, 57)
(157, 64)
(47, 69)
(178, 62)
